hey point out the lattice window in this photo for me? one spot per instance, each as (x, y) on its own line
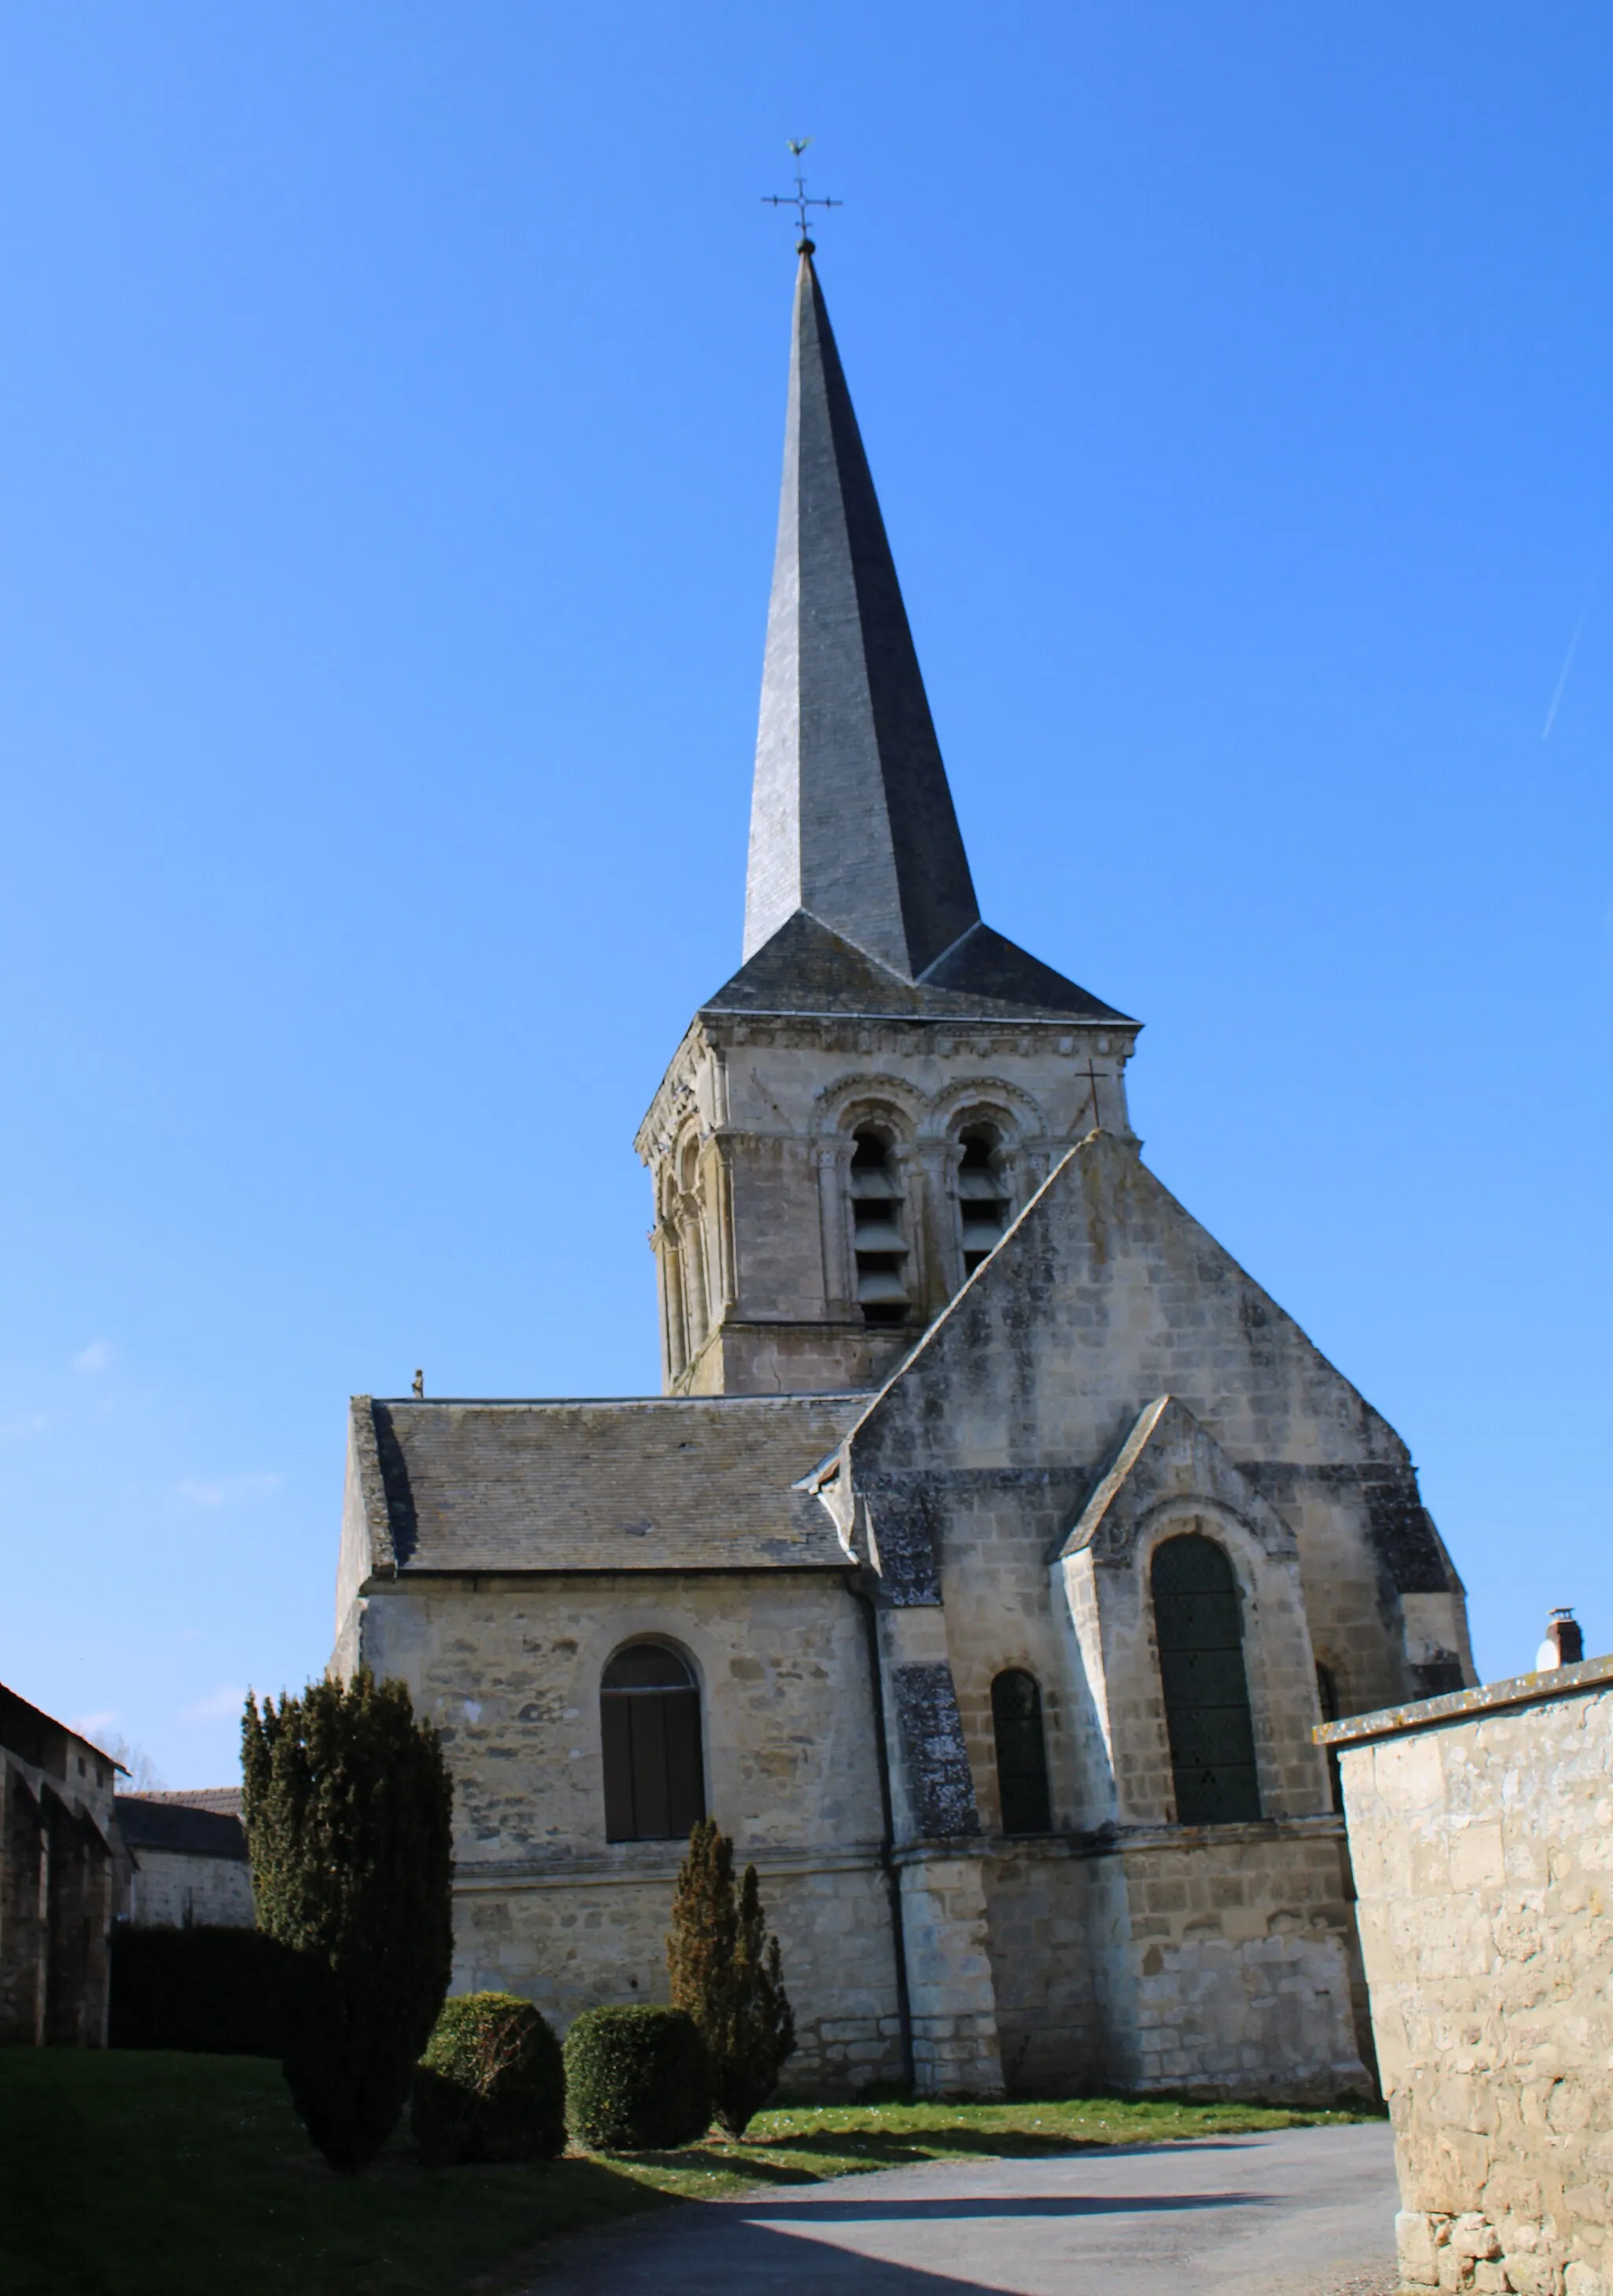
(1022, 1754)
(649, 1723)
(1198, 1624)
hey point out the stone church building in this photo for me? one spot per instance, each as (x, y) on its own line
(996, 1543)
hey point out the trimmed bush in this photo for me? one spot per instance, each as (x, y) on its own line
(216, 1990)
(637, 2080)
(491, 2085)
(726, 1973)
(348, 1809)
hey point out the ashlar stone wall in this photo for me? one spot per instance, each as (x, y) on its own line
(1481, 1834)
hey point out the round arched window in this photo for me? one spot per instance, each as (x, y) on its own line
(649, 1725)
(1022, 1753)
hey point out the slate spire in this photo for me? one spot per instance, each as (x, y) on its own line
(851, 815)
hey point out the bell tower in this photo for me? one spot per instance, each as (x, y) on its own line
(853, 1119)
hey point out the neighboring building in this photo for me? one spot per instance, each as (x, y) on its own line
(56, 1879)
(1481, 1834)
(998, 1542)
(184, 1860)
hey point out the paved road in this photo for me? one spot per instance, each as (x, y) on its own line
(1302, 2212)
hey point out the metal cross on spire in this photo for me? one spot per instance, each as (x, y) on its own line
(798, 198)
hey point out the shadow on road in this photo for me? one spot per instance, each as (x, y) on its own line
(897, 2152)
(1008, 2206)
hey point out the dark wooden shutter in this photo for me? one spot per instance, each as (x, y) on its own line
(1199, 1625)
(685, 1780)
(1022, 1754)
(617, 1768)
(649, 1724)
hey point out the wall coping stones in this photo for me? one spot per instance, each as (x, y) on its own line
(1457, 1705)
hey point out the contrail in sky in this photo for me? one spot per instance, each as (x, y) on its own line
(1568, 664)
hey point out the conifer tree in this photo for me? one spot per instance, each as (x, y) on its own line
(727, 1973)
(348, 1809)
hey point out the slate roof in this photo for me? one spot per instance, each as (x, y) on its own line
(666, 1483)
(851, 816)
(807, 967)
(192, 1823)
(859, 897)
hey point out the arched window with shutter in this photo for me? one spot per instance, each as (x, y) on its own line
(649, 1723)
(1022, 1753)
(1199, 1625)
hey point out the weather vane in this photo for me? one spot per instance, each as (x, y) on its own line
(798, 198)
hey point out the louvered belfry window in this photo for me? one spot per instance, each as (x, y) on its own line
(877, 1239)
(649, 1721)
(1022, 1753)
(983, 1195)
(1198, 1624)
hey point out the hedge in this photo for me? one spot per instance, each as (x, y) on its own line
(637, 2079)
(491, 2085)
(218, 1991)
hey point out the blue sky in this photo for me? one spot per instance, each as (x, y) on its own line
(390, 429)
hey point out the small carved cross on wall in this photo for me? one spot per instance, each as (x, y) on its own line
(1092, 1080)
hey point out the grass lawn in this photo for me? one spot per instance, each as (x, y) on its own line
(135, 2174)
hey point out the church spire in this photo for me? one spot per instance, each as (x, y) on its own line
(851, 815)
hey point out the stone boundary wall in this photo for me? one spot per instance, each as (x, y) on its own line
(170, 1888)
(1481, 1834)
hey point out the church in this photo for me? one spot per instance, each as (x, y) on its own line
(996, 1543)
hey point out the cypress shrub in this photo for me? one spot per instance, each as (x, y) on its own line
(491, 2085)
(637, 2079)
(348, 1809)
(216, 1990)
(726, 1972)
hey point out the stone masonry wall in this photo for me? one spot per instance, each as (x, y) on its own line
(749, 1141)
(56, 1882)
(1235, 1979)
(580, 1939)
(544, 1905)
(1042, 1917)
(1481, 1832)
